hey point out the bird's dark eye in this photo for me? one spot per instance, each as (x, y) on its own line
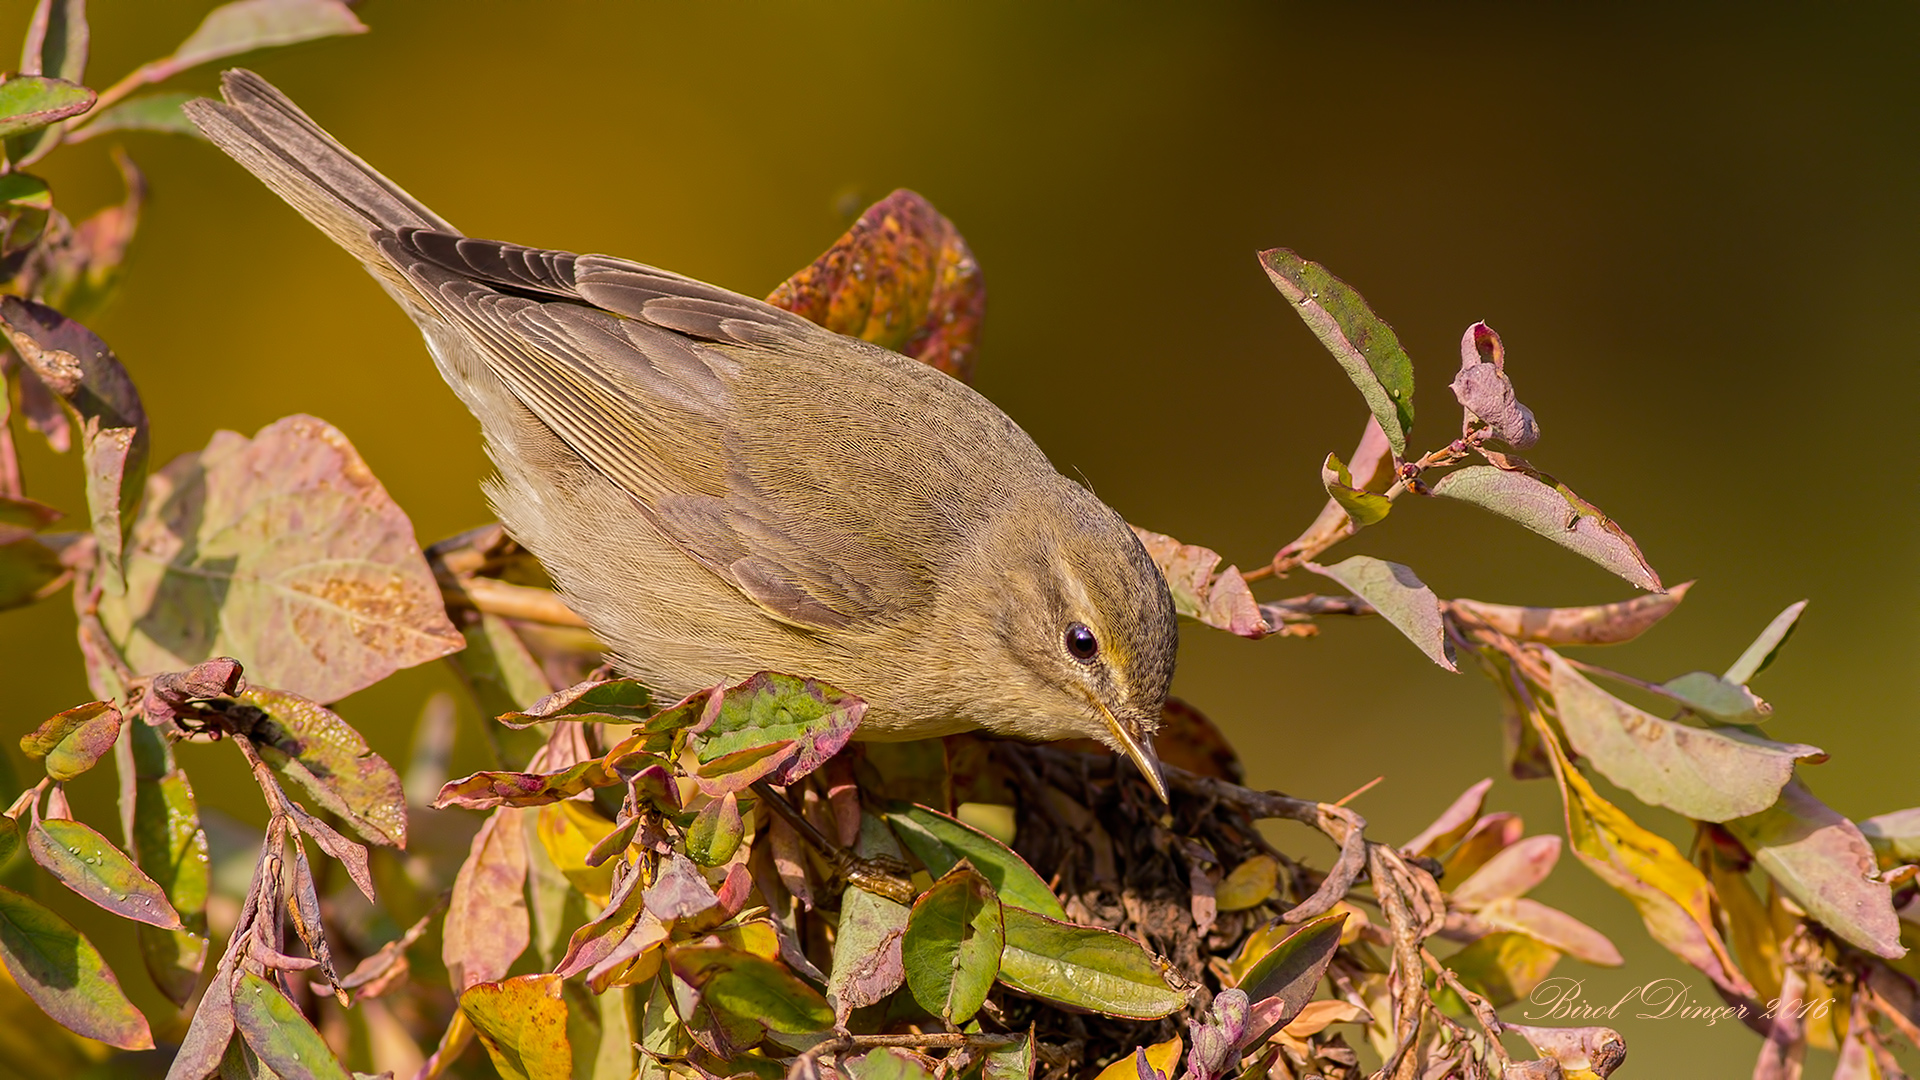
(1081, 642)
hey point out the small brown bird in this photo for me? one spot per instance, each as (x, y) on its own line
(720, 487)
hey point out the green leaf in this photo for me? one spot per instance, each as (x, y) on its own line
(887, 1063)
(246, 25)
(867, 964)
(1013, 1062)
(940, 842)
(73, 741)
(1365, 346)
(158, 111)
(522, 1022)
(283, 549)
(1504, 967)
(740, 993)
(9, 839)
(1766, 646)
(1289, 974)
(63, 973)
(716, 831)
(1400, 597)
(91, 866)
(1553, 511)
(1708, 774)
(167, 843)
(28, 568)
(327, 758)
(600, 701)
(31, 102)
(78, 367)
(1822, 860)
(57, 40)
(275, 1029)
(1714, 696)
(952, 945)
(772, 726)
(1363, 507)
(1085, 967)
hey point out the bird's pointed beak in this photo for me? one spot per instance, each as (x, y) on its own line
(1139, 747)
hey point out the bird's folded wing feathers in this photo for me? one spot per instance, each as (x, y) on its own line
(615, 358)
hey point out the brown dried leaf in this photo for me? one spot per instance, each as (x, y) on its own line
(902, 278)
(283, 550)
(1222, 600)
(77, 366)
(1600, 624)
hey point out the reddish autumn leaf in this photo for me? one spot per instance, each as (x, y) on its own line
(1599, 624)
(75, 739)
(1222, 601)
(1485, 392)
(487, 926)
(902, 278)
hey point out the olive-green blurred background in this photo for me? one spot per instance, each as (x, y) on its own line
(1694, 226)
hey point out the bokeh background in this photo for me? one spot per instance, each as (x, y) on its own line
(1695, 227)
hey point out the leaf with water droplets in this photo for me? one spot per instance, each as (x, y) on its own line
(91, 866)
(63, 973)
(166, 841)
(316, 749)
(275, 1029)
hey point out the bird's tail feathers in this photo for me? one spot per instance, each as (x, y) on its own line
(345, 197)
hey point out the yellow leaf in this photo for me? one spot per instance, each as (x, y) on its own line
(1250, 884)
(1317, 1015)
(1258, 944)
(568, 830)
(1161, 1058)
(991, 818)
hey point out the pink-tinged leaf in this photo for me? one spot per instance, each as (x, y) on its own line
(1512, 872)
(92, 867)
(63, 973)
(774, 727)
(57, 40)
(162, 828)
(1484, 391)
(1555, 512)
(1487, 837)
(1452, 824)
(283, 549)
(485, 790)
(487, 925)
(1821, 860)
(679, 891)
(602, 701)
(522, 1022)
(1708, 774)
(31, 102)
(22, 517)
(597, 940)
(244, 26)
(211, 1030)
(172, 695)
(78, 367)
(1551, 926)
(1400, 598)
(1222, 601)
(1672, 896)
(867, 963)
(73, 741)
(327, 758)
(1365, 346)
(350, 855)
(1766, 646)
(1600, 624)
(279, 1033)
(902, 278)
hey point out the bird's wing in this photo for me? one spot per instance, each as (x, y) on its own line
(699, 403)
